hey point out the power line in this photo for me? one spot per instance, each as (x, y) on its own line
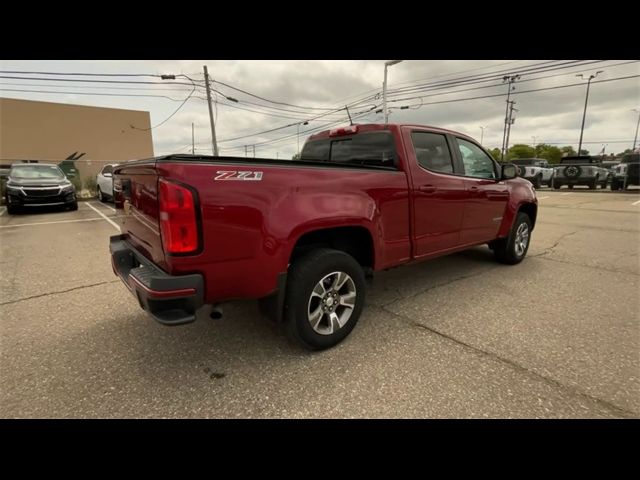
(93, 81)
(90, 93)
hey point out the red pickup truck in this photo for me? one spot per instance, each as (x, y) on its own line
(302, 235)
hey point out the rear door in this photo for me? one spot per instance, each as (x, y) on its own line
(487, 195)
(438, 193)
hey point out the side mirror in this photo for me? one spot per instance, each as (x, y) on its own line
(509, 170)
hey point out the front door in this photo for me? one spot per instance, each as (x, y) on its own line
(487, 195)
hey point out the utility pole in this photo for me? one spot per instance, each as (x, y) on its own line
(510, 80)
(245, 150)
(254, 151)
(510, 122)
(584, 114)
(213, 125)
(298, 127)
(193, 140)
(482, 134)
(384, 89)
(635, 139)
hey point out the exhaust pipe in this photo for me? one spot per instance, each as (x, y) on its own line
(216, 313)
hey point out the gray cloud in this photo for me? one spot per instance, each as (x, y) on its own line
(551, 115)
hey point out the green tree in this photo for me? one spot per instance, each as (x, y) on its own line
(550, 153)
(296, 156)
(495, 153)
(520, 151)
(567, 151)
(584, 152)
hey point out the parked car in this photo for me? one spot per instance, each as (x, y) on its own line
(301, 235)
(627, 172)
(536, 170)
(104, 183)
(38, 185)
(580, 170)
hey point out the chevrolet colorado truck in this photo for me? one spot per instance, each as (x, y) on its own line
(302, 235)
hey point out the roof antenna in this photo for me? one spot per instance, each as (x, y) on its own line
(347, 109)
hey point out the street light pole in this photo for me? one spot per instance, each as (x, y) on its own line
(482, 134)
(384, 89)
(298, 126)
(635, 139)
(586, 100)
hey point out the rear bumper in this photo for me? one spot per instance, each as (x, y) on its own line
(169, 299)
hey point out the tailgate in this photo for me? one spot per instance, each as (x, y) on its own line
(135, 188)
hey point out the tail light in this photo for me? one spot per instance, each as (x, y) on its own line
(178, 223)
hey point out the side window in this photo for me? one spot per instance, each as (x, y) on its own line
(107, 169)
(432, 151)
(476, 162)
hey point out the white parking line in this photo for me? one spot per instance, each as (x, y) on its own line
(2, 210)
(115, 225)
(106, 206)
(542, 198)
(636, 203)
(50, 223)
(566, 193)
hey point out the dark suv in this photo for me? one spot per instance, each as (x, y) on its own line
(627, 172)
(38, 185)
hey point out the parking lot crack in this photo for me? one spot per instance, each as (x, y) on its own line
(58, 292)
(552, 247)
(548, 380)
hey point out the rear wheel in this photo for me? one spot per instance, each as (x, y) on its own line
(593, 184)
(325, 296)
(615, 185)
(556, 184)
(512, 250)
(100, 195)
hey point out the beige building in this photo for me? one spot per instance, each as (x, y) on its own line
(52, 132)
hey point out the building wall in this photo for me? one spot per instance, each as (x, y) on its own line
(44, 131)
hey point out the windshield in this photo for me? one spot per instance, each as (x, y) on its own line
(37, 172)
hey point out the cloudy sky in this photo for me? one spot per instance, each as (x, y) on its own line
(288, 93)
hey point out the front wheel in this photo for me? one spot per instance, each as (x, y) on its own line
(512, 250)
(12, 209)
(537, 182)
(325, 297)
(73, 206)
(100, 195)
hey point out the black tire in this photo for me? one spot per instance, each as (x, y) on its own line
(12, 209)
(556, 185)
(505, 248)
(615, 185)
(537, 182)
(304, 275)
(100, 195)
(570, 186)
(73, 206)
(593, 184)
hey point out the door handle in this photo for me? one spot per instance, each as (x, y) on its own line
(427, 188)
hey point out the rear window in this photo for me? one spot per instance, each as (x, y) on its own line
(375, 149)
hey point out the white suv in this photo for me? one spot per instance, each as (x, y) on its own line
(104, 182)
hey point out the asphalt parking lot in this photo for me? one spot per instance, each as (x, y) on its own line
(557, 336)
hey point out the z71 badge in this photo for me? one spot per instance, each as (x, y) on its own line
(236, 175)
